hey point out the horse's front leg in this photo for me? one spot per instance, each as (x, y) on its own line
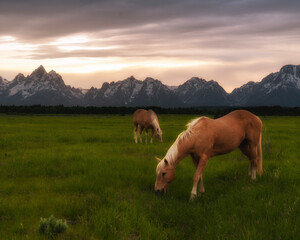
(146, 133)
(135, 132)
(198, 177)
(196, 160)
(152, 136)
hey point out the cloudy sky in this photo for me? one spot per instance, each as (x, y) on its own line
(89, 42)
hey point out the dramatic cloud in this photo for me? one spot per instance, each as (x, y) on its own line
(231, 41)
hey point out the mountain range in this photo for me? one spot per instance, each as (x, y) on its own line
(48, 88)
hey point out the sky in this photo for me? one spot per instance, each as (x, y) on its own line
(89, 42)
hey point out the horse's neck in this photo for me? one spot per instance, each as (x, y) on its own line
(176, 152)
(182, 145)
(155, 123)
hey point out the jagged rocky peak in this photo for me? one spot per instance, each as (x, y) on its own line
(39, 72)
(54, 76)
(196, 80)
(132, 78)
(212, 82)
(105, 84)
(193, 83)
(19, 78)
(129, 79)
(40, 75)
(290, 69)
(3, 81)
(243, 87)
(149, 79)
(288, 76)
(53, 73)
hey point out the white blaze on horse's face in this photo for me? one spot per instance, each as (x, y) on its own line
(165, 174)
(158, 134)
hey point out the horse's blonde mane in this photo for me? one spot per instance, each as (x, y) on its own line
(154, 119)
(173, 150)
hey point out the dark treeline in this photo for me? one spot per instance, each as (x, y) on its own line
(215, 111)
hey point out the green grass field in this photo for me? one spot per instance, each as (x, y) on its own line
(89, 171)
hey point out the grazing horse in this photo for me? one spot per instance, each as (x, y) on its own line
(146, 119)
(205, 138)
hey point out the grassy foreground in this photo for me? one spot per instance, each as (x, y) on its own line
(88, 170)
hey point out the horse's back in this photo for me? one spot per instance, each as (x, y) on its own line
(138, 114)
(240, 125)
(241, 118)
(141, 117)
(227, 133)
(239, 122)
(245, 120)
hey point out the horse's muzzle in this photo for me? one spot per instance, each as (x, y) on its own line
(160, 192)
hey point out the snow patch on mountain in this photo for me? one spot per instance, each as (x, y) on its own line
(135, 91)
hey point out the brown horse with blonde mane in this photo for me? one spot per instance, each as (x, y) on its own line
(146, 119)
(205, 138)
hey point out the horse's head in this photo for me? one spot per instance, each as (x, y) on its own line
(165, 174)
(158, 134)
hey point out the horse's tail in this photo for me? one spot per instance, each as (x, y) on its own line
(259, 152)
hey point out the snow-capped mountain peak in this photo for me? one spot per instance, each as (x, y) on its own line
(279, 88)
(3, 84)
(290, 75)
(38, 73)
(132, 92)
(40, 87)
(19, 78)
(197, 91)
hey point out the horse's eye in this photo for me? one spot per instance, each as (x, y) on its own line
(163, 173)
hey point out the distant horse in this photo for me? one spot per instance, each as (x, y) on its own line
(146, 119)
(205, 138)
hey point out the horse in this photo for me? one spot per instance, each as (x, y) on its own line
(205, 138)
(146, 119)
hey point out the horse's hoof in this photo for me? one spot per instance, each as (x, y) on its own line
(201, 191)
(193, 197)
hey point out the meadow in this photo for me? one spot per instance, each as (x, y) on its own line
(88, 170)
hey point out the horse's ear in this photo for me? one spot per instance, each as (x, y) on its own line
(158, 160)
(166, 162)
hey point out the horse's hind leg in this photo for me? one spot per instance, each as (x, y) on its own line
(152, 136)
(135, 132)
(141, 131)
(250, 150)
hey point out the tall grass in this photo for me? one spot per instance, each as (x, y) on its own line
(89, 171)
